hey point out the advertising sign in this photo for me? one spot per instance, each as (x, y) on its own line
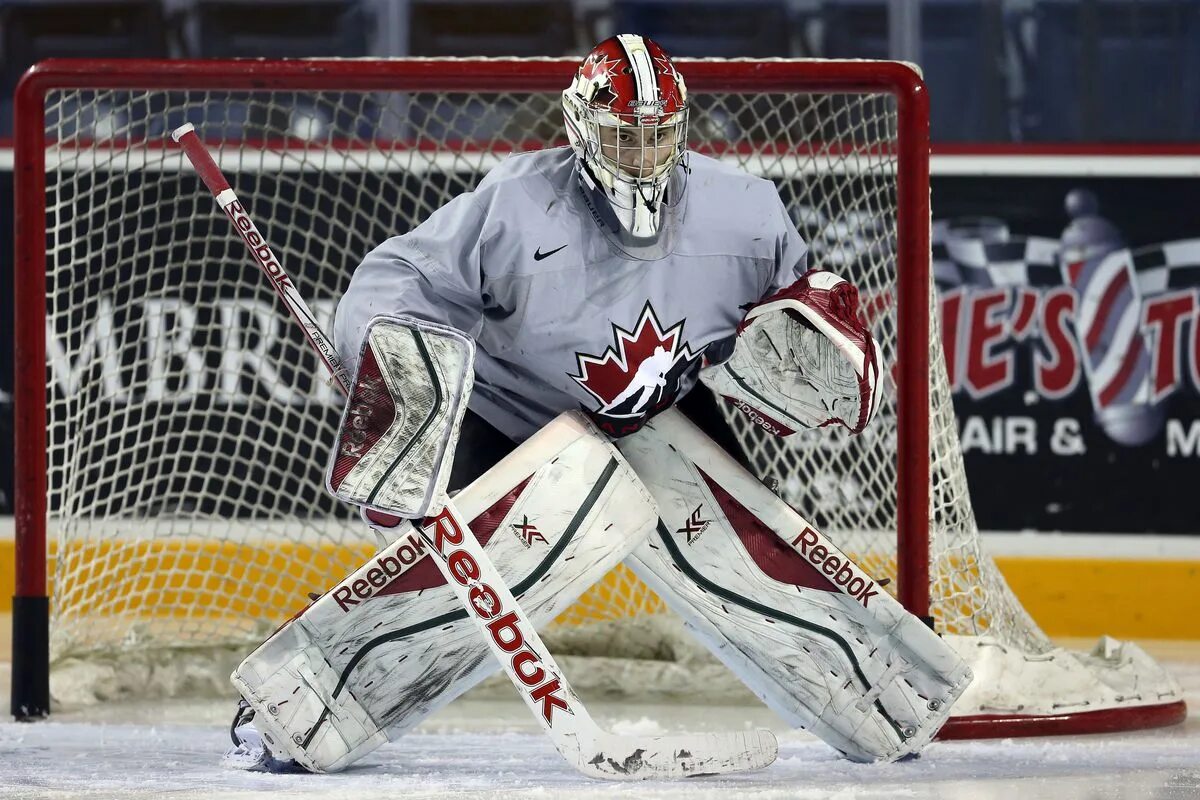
(1069, 309)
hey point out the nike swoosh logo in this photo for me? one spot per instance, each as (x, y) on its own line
(538, 255)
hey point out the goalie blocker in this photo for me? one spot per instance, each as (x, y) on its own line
(402, 417)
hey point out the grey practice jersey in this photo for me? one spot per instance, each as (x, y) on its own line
(565, 313)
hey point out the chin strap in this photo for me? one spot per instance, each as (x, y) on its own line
(624, 207)
(645, 216)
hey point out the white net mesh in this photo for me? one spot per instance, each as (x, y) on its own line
(189, 424)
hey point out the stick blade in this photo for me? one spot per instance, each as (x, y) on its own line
(680, 756)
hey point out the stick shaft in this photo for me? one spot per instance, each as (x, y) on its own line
(258, 246)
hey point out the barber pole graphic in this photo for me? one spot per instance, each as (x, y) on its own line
(1123, 321)
(1116, 361)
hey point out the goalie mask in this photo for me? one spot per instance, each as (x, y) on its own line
(626, 116)
(801, 359)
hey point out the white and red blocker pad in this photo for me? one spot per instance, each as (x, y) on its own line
(399, 428)
(817, 639)
(391, 643)
(802, 358)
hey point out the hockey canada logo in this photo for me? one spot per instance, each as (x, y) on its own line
(694, 526)
(527, 533)
(638, 375)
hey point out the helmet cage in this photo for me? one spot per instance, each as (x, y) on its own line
(639, 163)
(586, 129)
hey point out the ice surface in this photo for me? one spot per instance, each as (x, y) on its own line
(490, 748)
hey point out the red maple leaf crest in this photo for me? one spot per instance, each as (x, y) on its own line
(608, 376)
(596, 68)
(597, 72)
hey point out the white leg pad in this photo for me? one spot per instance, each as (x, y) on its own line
(391, 643)
(810, 633)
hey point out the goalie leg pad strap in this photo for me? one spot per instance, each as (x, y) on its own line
(555, 515)
(810, 633)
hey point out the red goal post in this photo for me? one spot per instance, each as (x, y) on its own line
(847, 141)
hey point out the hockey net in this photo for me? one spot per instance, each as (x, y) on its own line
(187, 425)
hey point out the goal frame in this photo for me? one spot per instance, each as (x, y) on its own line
(30, 676)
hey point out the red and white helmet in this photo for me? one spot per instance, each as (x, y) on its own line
(626, 115)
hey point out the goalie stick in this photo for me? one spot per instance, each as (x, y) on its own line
(479, 586)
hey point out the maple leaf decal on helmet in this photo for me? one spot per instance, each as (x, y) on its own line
(595, 75)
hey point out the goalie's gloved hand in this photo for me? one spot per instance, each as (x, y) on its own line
(801, 359)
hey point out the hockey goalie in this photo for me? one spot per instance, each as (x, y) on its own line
(539, 365)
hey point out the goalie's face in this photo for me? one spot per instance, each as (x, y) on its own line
(641, 153)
